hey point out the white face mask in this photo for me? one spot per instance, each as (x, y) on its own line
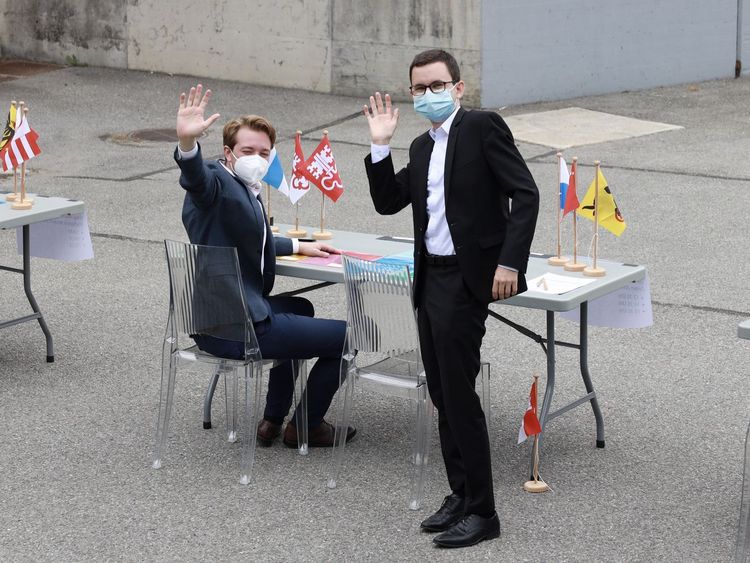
(250, 168)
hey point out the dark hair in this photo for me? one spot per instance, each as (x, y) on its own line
(437, 56)
(253, 122)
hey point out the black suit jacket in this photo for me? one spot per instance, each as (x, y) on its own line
(483, 172)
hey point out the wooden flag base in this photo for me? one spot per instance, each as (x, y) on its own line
(536, 487)
(11, 197)
(274, 229)
(296, 233)
(322, 235)
(574, 267)
(594, 272)
(25, 204)
(558, 261)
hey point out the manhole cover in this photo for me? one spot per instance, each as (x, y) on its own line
(141, 136)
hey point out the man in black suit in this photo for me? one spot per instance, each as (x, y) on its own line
(222, 207)
(471, 247)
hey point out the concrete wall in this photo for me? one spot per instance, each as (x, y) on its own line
(374, 42)
(744, 8)
(547, 49)
(340, 46)
(94, 32)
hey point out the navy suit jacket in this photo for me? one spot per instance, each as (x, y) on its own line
(483, 172)
(219, 211)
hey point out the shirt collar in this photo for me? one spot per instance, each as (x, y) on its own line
(253, 189)
(445, 125)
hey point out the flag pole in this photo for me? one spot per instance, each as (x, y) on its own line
(14, 195)
(323, 234)
(268, 211)
(296, 232)
(536, 485)
(558, 260)
(23, 202)
(594, 271)
(575, 265)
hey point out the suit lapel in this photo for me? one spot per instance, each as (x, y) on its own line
(451, 150)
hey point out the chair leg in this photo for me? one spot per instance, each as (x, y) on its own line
(485, 393)
(166, 397)
(253, 376)
(742, 548)
(208, 399)
(423, 426)
(231, 391)
(341, 424)
(299, 373)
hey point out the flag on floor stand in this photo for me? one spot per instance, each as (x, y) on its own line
(571, 197)
(299, 184)
(564, 181)
(275, 175)
(609, 214)
(10, 127)
(22, 147)
(320, 169)
(530, 424)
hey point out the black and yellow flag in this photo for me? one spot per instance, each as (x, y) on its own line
(609, 214)
(10, 127)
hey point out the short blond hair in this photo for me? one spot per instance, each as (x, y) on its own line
(253, 122)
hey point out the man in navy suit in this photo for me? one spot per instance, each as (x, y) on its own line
(470, 248)
(222, 207)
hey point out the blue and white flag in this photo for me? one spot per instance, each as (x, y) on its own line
(275, 175)
(564, 181)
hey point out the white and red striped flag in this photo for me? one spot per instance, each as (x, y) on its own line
(530, 425)
(22, 147)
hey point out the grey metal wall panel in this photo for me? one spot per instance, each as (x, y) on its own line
(551, 49)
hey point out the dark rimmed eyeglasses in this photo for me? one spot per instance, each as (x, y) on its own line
(436, 87)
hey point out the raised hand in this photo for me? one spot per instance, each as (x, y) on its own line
(381, 119)
(190, 117)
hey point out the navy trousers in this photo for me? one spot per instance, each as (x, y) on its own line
(291, 332)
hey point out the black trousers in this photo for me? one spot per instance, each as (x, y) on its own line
(451, 327)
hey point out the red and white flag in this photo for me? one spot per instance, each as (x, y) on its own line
(299, 185)
(320, 169)
(22, 147)
(530, 424)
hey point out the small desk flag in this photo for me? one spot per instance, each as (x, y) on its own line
(530, 424)
(320, 169)
(571, 198)
(609, 214)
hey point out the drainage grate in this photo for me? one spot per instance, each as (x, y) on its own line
(142, 136)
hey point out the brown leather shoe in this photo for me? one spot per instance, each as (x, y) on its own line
(319, 437)
(267, 433)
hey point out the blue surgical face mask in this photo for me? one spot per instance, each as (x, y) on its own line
(435, 107)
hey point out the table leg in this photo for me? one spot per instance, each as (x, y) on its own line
(549, 388)
(587, 376)
(30, 295)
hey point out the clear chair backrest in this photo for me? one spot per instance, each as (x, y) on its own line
(380, 314)
(206, 295)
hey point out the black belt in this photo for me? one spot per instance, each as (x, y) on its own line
(436, 260)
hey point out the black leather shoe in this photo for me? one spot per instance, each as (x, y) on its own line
(470, 530)
(450, 512)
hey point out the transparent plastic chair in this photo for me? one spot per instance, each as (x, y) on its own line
(382, 352)
(206, 298)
